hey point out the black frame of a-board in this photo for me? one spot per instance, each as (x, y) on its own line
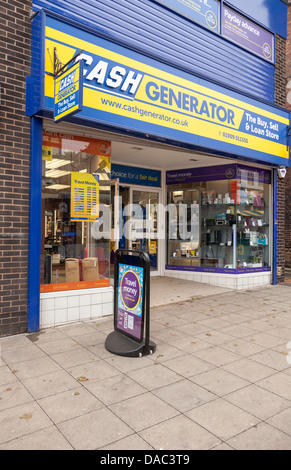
(137, 259)
(119, 341)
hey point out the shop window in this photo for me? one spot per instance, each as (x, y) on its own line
(75, 249)
(221, 225)
(183, 226)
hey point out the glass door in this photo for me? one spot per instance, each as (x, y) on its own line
(144, 227)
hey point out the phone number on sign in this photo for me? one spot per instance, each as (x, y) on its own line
(228, 135)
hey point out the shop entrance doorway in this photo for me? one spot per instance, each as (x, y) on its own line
(135, 220)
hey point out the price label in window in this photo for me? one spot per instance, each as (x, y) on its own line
(84, 197)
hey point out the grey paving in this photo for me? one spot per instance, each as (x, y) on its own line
(219, 379)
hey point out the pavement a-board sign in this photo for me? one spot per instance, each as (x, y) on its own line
(131, 305)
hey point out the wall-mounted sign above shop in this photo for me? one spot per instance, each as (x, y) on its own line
(247, 34)
(68, 93)
(206, 12)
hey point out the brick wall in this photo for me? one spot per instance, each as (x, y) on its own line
(281, 184)
(280, 100)
(280, 71)
(288, 178)
(15, 38)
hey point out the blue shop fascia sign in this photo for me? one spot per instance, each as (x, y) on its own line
(134, 175)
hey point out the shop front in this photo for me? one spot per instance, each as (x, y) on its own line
(147, 157)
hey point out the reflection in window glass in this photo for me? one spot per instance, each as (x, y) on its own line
(75, 182)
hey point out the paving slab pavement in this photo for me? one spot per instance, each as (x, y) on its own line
(219, 379)
(165, 290)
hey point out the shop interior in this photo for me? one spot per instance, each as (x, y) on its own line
(226, 223)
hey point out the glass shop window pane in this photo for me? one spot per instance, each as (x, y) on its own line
(253, 218)
(75, 235)
(218, 223)
(221, 225)
(183, 243)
